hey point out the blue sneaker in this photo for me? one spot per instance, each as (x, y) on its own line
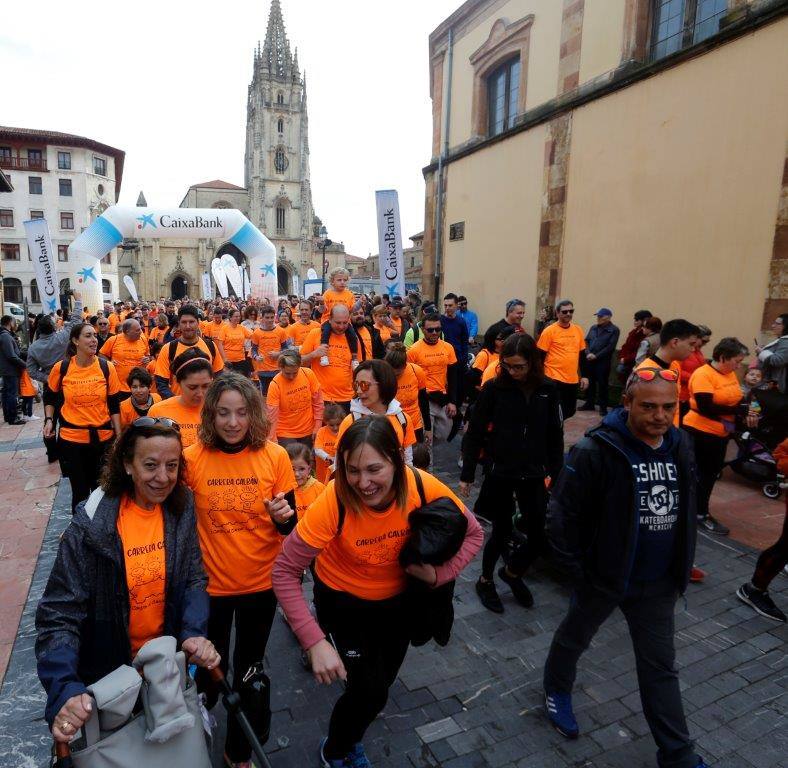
(325, 762)
(357, 757)
(558, 708)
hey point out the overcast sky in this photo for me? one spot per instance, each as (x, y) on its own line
(166, 81)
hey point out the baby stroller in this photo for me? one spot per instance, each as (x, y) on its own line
(754, 458)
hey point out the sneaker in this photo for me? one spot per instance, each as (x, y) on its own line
(697, 575)
(325, 762)
(324, 361)
(713, 526)
(558, 708)
(357, 757)
(34, 418)
(519, 589)
(760, 602)
(488, 594)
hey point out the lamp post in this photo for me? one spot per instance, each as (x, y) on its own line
(325, 242)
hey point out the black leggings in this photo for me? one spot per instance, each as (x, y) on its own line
(81, 463)
(254, 614)
(244, 367)
(498, 507)
(772, 560)
(710, 459)
(372, 639)
(350, 336)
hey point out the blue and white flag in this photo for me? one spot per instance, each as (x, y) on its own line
(392, 266)
(44, 264)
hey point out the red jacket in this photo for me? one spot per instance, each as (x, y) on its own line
(629, 348)
(688, 367)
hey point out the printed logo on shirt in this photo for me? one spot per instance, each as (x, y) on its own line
(381, 549)
(657, 493)
(143, 575)
(237, 496)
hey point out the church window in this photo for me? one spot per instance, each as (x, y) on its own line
(280, 218)
(280, 161)
(280, 125)
(280, 98)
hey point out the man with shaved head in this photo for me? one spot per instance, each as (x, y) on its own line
(621, 520)
(128, 349)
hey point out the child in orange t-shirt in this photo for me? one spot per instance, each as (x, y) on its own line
(326, 441)
(308, 488)
(338, 294)
(132, 408)
(27, 391)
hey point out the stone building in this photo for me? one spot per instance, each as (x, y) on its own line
(365, 273)
(622, 153)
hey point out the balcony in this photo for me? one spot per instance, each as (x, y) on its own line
(23, 163)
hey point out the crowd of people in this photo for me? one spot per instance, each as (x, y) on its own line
(219, 450)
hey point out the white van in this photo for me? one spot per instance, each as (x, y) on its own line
(15, 311)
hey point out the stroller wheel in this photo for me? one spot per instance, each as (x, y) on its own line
(771, 490)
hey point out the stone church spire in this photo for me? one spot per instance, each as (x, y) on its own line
(277, 58)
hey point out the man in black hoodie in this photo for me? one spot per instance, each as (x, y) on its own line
(622, 521)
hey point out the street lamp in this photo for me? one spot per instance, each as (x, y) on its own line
(326, 242)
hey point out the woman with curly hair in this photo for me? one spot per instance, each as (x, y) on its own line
(244, 499)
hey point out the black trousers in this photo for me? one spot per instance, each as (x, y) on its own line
(567, 394)
(372, 639)
(350, 336)
(648, 609)
(710, 459)
(82, 463)
(254, 614)
(10, 395)
(497, 506)
(598, 372)
(50, 443)
(772, 560)
(244, 367)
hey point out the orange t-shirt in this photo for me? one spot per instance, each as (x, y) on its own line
(268, 341)
(384, 331)
(366, 339)
(397, 323)
(406, 435)
(724, 389)
(233, 340)
(435, 359)
(675, 366)
(151, 368)
(188, 419)
(336, 379)
(562, 347)
(483, 359)
(294, 401)
(364, 559)
(333, 297)
(141, 532)
(157, 334)
(26, 386)
(125, 354)
(490, 372)
(306, 494)
(129, 413)
(412, 379)
(325, 440)
(212, 330)
(239, 541)
(298, 331)
(85, 398)
(163, 360)
(115, 320)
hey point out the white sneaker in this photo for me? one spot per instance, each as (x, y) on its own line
(33, 418)
(324, 361)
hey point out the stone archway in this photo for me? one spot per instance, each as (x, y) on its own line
(177, 284)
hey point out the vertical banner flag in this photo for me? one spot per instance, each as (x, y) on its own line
(233, 272)
(392, 268)
(247, 283)
(206, 285)
(220, 278)
(129, 283)
(295, 285)
(40, 245)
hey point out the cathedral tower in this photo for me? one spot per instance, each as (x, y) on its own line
(276, 162)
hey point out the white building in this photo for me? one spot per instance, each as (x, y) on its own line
(69, 181)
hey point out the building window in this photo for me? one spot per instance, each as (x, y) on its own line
(64, 161)
(62, 253)
(280, 98)
(503, 92)
(280, 125)
(280, 161)
(106, 286)
(280, 218)
(67, 220)
(12, 290)
(65, 187)
(36, 214)
(6, 217)
(99, 166)
(10, 251)
(35, 297)
(679, 23)
(34, 158)
(34, 185)
(5, 154)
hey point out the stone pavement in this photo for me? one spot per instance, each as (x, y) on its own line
(477, 702)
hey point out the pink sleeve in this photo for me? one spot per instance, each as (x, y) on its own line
(474, 538)
(295, 557)
(317, 406)
(273, 418)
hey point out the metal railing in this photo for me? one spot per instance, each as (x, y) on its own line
(23, 163)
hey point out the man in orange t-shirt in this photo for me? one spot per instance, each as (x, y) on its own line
(268, 341)
(562, 343)
(295, 404)
(127, 350)
(299, 330)
(336, 378)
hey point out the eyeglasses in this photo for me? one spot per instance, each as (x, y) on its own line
(363, 386)
(514, 367)
(566, 311)
(649, 374)
(159, 421)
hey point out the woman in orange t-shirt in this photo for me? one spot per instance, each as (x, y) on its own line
(87, 390)
(716, 400)
(233, 341)
(362, 608)
(411, 390)
(244, 497)
(105, 599)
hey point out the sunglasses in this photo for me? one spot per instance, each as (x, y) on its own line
(160, 421)
(649, 374)
(432, 330)
(363, 386)
(566, 311)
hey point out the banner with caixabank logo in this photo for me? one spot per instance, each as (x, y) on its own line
(44, 264)
(392, 267)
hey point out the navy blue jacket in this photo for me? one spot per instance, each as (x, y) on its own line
(455, 332)
(601, 340)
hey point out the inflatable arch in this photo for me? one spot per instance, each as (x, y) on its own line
(119, 222)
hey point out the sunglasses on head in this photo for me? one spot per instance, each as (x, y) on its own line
(159, 421)
(649, 374)
(363, 386)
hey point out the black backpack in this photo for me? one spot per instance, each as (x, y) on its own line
(173, 348)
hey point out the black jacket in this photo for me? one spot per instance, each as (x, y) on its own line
(11, 362)
(83, 618)
(592, 516)
(512, 435)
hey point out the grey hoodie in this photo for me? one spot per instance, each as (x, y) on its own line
(45, 351)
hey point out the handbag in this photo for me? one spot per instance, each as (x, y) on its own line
(145, 717)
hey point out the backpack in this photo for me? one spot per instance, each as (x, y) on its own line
(103, 364)
(173, 347)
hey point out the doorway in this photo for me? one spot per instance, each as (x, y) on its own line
(179, 287)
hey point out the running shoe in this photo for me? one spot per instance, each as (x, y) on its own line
(488, 594)
(325, 762)
(357, 757)
(558, 708)
(760, 602)
(697, 575)
(519, 588)
(713, 526)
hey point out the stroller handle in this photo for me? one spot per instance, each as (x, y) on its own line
(63, 755)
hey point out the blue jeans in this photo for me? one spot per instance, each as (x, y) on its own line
(10, 396)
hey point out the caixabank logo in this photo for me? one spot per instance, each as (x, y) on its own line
(168, 221)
